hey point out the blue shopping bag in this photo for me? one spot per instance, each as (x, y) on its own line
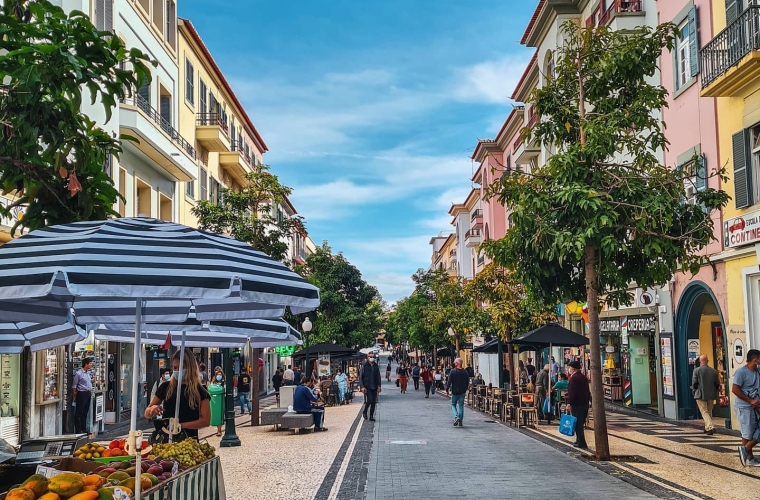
(567, 425)
(547, 409)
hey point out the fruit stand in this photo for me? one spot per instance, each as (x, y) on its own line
(169, 471)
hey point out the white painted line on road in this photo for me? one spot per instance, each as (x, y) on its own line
(344, 464)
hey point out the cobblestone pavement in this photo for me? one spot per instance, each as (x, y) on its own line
(676, 455)
(417, 453)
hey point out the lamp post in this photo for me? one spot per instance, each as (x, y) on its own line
(230, 435)
(306, 327)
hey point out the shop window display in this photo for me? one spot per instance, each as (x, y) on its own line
(49, 376)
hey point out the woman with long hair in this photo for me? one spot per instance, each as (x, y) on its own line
(194, 408)
(218, 379)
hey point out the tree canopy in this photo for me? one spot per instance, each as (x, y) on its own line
(603, 211)
(248, 214)
(52, 155)
(350, 310)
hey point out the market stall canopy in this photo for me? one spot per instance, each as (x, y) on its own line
(99, 269)
(550, 334)
(37, 336)
(445, 352)
(325, 348)
(351, 357)
(489, 347)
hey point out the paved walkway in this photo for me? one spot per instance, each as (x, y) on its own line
(417, 453)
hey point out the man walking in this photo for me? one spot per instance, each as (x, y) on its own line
(427, 379)
(244, 391)
(416, 376)
(369, 380)
(554, 371)
(704, 386)
(578, 399)
(746, 388)
(457, 385)
(82, 393)
(288, 376)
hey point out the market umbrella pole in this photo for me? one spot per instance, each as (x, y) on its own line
(135, 436)
(174, 426)
(230, 435)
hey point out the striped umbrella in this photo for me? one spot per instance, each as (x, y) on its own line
(37, 336)
(127, 267)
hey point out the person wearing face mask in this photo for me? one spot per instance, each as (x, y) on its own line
(164, 375)
(370, 382)
(578, 399)
(218, 379)
(342, 382)
(194, 408)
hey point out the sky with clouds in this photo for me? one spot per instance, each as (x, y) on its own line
(371, 110)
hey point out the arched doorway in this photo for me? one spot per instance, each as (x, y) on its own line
(699, 318)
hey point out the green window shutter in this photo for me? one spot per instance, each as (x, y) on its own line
(742, 179)
(693, 42)
(733, 9)
(700, 170)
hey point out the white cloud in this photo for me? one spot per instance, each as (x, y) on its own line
(491, 81)
(437, 224)
(392, 286)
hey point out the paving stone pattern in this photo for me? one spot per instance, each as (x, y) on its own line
(480, 460)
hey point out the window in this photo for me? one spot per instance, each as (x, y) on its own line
(686, 55)
(754, 137)
(190, 189)
(103, 15)
(189, 82)
(549, 65)
(696, 168)
(202, 96)
(204, 185)
(108, 165)
(171, 23)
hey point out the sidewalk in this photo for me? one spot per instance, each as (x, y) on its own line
(676, 456)
(417, 453)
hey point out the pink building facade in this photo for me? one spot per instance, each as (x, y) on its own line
(692, 130)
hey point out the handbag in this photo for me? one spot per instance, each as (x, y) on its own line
(567, 425)
(398, 383)
(547, 409)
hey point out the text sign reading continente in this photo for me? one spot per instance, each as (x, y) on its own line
(742, 230)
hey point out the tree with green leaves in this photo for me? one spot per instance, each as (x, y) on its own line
(52, 155)
(249, 215)
(509, 308)
(603, 212)
(350, 310)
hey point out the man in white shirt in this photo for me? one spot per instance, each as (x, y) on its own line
(288, 376)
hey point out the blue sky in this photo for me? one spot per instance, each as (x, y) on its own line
(371, 110)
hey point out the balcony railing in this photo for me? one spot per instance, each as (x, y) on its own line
(143, 105)
(729, 46)
(472, 233)
(618, 6)
(452, 252)
(238, 146)
(210, 119)
(532, 120)
(477, 213)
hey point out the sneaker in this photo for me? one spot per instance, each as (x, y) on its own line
(456, 422)
(753, 462)
(710, 432)
(364, 415)
(743, 455)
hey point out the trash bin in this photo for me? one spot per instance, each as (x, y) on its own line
(217, 404)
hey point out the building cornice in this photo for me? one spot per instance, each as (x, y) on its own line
(528, 81)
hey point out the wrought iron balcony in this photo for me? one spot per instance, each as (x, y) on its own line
(143, 105)
(238, 147)
(210, 119)
(619, 6)
(730, 46)
(477, 213)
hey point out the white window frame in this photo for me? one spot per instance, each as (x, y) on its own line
(683, 56)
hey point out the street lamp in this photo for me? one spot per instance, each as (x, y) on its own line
(306, 327)
(230, 434)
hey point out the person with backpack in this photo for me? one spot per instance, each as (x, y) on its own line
(416, 376)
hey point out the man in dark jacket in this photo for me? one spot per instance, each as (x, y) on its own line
(578, 399)
(369, 380)
(457, 384)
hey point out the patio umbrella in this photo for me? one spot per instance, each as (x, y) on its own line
(155, 269)
(37, 336)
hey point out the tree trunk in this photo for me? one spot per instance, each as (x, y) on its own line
(511, 361)
(597, 393)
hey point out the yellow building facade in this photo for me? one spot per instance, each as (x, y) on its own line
(730, 73)
(226, 140)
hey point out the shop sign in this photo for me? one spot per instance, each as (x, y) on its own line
(739, 351)
(640, 324)
(693, 349)
(285, 350)
(609, 325)
(742, 230)
(323, 365)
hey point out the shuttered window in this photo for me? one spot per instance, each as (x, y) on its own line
(693, 42)
(204, 184)
(742, 179)
(189, 82)
(202, 96)
(103, 15)
(733, 9)
(700, 173)
(144, 92)
(166, 108)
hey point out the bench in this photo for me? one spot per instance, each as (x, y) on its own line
(296, 421)
(272, 416)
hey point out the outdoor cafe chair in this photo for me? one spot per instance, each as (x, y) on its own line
(528, 411)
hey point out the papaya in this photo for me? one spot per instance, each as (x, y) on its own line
(92, 480)
(92, 487)
(105, 494)
(66, 485)
(118, 476)
(85, 495)
(153, 479)
(50, 496)
(20, 494)
(145, 483)
(37, 483)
